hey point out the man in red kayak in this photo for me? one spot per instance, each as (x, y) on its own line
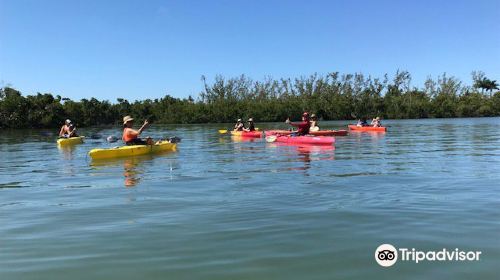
(303, 126)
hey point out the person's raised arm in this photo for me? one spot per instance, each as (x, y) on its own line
(296, 124)
(146, 123)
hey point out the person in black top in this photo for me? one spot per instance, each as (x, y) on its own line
(239, 126)
(251, 125)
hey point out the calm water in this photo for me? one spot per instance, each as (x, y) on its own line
(222, 208)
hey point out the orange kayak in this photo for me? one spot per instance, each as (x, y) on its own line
(315, 133)
(367, 128)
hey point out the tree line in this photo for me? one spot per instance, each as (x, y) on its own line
(333, 96)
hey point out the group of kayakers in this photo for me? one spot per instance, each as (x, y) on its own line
(309, 123)
(240, 126)
(130, 135)
(375, 122)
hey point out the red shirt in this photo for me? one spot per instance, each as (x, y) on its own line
(302, 127)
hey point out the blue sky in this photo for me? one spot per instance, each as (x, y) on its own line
(144, 49)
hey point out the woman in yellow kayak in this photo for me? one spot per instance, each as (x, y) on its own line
(131, 136)
(251, 125)
(314, 123)
(68, 130)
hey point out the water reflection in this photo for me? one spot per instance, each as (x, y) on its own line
(239, 139)
(131, 173)
(67, 151)
(303, 153)
(373, 135)
(133, 167)
(223, 140)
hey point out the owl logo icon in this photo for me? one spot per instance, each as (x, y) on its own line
(386, 255)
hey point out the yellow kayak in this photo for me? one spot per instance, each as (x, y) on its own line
(70, 141)
(135, 150)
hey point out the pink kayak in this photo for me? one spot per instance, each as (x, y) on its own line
(309, 140)
(253, 134)
(315, 133)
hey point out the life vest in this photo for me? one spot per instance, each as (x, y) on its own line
(127, 137)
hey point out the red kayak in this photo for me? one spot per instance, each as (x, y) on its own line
(309, 140)
(315, 133)
(252, 134)
(367, 128)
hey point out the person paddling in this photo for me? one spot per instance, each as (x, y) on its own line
(239, 126)
(376, 122)
(362, 122)
(303, 126)
(68, 130)
(251, 125)
(314, 123)
(131, 136)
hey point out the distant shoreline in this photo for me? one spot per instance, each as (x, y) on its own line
(330, 97)
(223, 125)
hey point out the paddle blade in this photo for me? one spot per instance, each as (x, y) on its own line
(174, 139)
(112, 139)
(222, 131)
(271, 138)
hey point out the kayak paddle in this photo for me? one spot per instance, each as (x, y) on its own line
(174, 139)
(271, 138)
(112, 139)
(222, 131)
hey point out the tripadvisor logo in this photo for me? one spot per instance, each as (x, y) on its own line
(387, 255)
